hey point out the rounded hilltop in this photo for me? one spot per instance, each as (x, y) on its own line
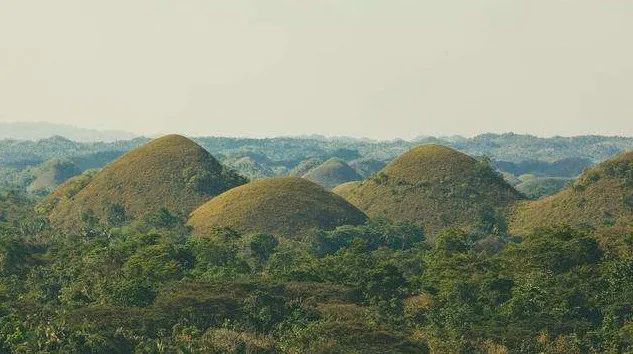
(286, 206)
(170, 172)
(601, 197)
(344, 189)
(435, 187)
(52, 173)
(331, 173)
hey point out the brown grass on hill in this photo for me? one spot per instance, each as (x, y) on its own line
(331, 173)
(435, 187)
(52, 173)
(601, 197)
(284, 206)
(171, 172)
(344, 189)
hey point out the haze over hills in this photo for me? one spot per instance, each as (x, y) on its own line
(43, 130)
(435, 187)
(283, 206)
(171, 172)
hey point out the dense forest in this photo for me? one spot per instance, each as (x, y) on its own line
(158, 247)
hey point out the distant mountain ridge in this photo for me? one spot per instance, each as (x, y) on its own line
(43, 130)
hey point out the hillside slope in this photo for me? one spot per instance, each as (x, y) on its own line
(51, 174)
(283, 205)
(435, 187)
(601, 196)
(171, 172)
(331, 173)
(344, 189)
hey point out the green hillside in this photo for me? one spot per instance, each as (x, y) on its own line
(305, 166)
(171, 172)
(538, 187)
(366, 166)
(331, 173)
(52, 173)
(250, 167)
(344, 189)
(510, 178)
(435, 187)
(65, 192)
(601, 196)
(283, 205)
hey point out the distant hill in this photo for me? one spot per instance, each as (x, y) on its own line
(521, 154)
(435, 187)
(567, 167)
(27, 153)
(305, 166)
(511, 179)
(284, 206)
(601, 197)
(42, 130)
(331, 173)
(367, 166)
(249, 167)
(52, 173)
(171, 172)
(65, 192)
(538, 187)
(344, 188)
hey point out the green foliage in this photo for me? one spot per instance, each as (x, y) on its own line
(262, 246)
(374, 234)
(542, 186)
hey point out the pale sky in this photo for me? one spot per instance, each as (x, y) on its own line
(372, 68)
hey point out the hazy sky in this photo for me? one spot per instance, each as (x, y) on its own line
(357, 67)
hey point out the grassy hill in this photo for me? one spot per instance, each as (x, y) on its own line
(249, 167)
(283, 206)
(367, 166)
(435, 187)
(331, 173)
(538, 187)
(601, 196)
(171, 172)
(52, 173)
(305, 166)
(344, 188)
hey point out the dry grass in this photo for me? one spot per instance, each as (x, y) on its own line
(331, 173)
(50, 174)
(435, 187)
(171, 172)
(344, 188)
(601, 197)
(284, 206)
